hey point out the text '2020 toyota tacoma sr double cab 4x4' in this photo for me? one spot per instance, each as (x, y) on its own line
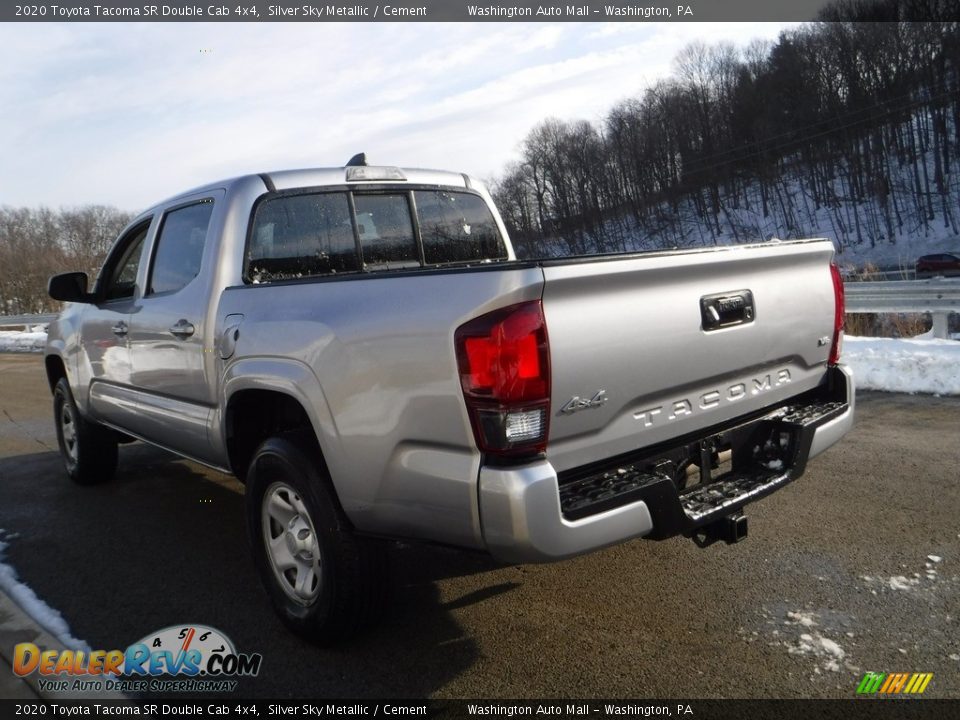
(361, 348)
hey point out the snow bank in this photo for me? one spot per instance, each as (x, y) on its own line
(44, 615)
(19, 341)
(904, 365)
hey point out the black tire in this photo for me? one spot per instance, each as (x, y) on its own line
(343, 574)
(89, 450)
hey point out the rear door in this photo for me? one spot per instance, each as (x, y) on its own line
(645, 349)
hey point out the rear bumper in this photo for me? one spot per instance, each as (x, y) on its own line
(830, 432)
(529, 514)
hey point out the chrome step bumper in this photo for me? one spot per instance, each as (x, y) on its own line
(529, 514)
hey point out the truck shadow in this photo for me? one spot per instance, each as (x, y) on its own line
(165, 544)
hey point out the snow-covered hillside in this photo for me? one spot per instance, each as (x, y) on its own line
(870, 232)
(906, 205)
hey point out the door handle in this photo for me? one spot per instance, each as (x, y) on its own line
(120, 328)
(183, 329)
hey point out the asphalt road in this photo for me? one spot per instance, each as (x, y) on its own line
(833, 581)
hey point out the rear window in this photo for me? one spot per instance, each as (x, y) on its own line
(326, 233)
(457, 227)
(386, 231)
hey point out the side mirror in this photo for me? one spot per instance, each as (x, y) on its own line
(69, 287)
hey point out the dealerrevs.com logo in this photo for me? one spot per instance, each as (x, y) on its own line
(179, 658)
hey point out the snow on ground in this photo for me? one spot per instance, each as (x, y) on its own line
(802, 633)
(826, 653)
(916, 365)
(31, 340)
(27, 600)
(927, 581)
(824, 638)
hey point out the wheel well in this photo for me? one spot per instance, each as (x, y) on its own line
(55, 370)
(254, 415)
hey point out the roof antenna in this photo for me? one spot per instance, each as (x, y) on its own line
(357, 160)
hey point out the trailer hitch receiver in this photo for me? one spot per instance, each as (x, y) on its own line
(731, 529)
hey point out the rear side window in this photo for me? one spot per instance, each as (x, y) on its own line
(457, 227)
(325, 233)
(302, 235)
(176, 259)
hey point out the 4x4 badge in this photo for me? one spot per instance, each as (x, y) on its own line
(578, 403)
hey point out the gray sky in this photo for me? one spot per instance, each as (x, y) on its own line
(127, 114)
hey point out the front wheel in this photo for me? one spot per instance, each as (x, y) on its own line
(324, 581)
(89, 450)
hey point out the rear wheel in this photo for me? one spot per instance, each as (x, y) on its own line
(324, 581)
(89, 450)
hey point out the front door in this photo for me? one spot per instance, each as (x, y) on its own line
(105, 367)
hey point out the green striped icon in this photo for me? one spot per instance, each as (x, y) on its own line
(894, 683)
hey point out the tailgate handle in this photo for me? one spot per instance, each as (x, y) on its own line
(726, 309)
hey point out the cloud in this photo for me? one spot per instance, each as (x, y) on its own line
(126, 114)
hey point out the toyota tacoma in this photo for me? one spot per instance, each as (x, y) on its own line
(360, 347)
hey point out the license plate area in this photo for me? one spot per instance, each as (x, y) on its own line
(698, 479)
(765, 445)
(684, 476)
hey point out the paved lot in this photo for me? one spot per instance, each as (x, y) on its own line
(832, 582)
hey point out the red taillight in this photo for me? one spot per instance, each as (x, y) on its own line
(504, 364)
(838, 315)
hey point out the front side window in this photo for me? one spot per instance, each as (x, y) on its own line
(121, 272)
(179, 247)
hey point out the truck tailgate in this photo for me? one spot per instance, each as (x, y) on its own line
(648, 348)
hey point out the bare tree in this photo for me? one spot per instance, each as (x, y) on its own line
(38, 243)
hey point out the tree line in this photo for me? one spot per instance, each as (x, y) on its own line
(38, 243)
(848, 126)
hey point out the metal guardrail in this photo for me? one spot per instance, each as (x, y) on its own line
(937, 296)
(17, 320)
(892, 296)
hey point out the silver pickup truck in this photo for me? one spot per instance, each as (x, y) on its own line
(361, 348)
